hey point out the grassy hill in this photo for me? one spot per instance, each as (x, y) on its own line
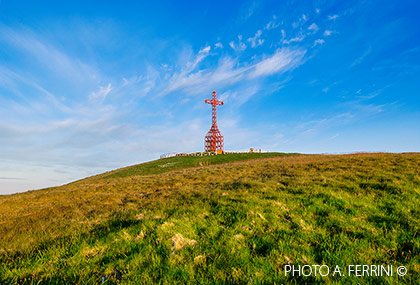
(237, 218)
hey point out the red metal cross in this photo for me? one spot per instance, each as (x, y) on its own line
(214, 139)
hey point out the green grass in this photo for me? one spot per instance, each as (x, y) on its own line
(233, 223)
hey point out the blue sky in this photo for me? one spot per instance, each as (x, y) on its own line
(90, 87)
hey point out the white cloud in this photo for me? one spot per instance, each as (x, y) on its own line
(295, 39)
(229, 72)
(313, 27)
(255, 40)
(327, 33)
(240, 46)
(239, 96)
(248, 10)
(283, 34)
(300, 21)
(202, 54)
(197, 81)
(318, 42)
(14, 82)
(272, 24)
(359, 60)
(48, 55)
(282, 60)
(333, 17)
(218, 45)
(148, 86)
(101, 94)
(334, 136)
(205, 50)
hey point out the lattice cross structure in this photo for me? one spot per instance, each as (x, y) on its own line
(214, 139)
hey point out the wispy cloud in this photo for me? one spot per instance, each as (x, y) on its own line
(312, 128)
(205, 50)
(272, 24)
(11, 178)
(15, 82)
(282, 60)
(333, 17)
(239, 96)
(202, 54)
(295, 39)
(318, 42)
(248, 10)
(239, 46)
(334, 136)
(229, 71)
(360, 59)
(302, 19)
(101, 94)
(256, 40)
(328, 33)
(313, 27)
(218, 45)
(283, 34)
(46, 54)
(328, 88)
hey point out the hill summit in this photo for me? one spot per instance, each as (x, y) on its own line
(236, 218)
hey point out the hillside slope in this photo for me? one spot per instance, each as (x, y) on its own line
(232, 222)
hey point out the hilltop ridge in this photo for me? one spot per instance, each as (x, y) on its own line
(172, 220)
